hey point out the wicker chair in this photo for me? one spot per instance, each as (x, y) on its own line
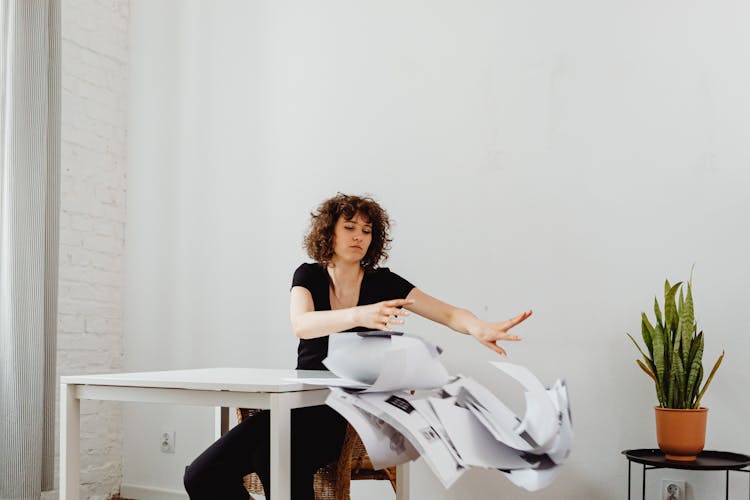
(331, 482)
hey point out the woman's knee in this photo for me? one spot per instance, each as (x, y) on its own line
(202, 484)
(194, 482)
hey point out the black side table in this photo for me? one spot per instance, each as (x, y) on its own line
(707, 460)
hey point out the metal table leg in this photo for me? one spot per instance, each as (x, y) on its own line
(629, 464)
(726, 495)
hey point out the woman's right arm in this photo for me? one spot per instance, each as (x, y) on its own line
(309, 323)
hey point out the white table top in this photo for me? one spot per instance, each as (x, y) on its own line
(220, 379)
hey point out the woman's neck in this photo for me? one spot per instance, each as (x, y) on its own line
(345, 275)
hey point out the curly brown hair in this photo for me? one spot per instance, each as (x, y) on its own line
(319, 240)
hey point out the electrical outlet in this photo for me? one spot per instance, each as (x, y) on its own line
(672, 489)
(167, 441)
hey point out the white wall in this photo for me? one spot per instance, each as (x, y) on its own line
(92, 221)
(565, 157)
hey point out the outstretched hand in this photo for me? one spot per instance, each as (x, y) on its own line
(380, 315)
(489, 333)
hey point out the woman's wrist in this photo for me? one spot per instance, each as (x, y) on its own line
(473, 324)
(354, 315)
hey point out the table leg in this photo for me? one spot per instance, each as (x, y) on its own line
(221, 421)
(402, 482)
(281, 447)
(629, 464)
(726, 496)
(643, 490)
(70, 442)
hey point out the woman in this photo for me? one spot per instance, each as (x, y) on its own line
(344, 290)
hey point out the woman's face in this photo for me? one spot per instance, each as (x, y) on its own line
(352, 238)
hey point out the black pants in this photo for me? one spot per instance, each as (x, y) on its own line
(317, 436)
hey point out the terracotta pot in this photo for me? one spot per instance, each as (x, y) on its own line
(681, 434)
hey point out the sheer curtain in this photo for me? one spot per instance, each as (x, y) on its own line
(29, 211)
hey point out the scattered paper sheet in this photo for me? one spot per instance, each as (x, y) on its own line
(457, 424)
(541, 420)
(474, 443)
(533, 479)
(385, 446)
(425, 408)
(488, 409)
(396, 409)
(560, 449)
(386, 363)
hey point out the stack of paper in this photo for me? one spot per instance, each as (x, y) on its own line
(457, 424)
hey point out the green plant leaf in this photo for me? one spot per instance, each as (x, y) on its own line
(646, 369)
(696, 387)
(670, 310)
(657, 311)
(667, 316)
(676, 342)
(647, 332)
(672, 391)
(687, 319)
(695, 343)
(675, 358)
(708, 381)
(658, 358)
(636, 345)
(695, 367)
(678, 376)
(659, 392)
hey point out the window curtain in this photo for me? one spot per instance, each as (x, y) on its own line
(29, 212)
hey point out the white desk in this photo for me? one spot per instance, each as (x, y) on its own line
(217, 387)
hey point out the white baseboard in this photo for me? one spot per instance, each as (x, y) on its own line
(151, 493)
(368, 489)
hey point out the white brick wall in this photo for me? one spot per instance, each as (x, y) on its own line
(93, 183)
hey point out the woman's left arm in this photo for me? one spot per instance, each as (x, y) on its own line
(464, 321)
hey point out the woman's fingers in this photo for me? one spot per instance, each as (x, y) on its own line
(395, 311)
(507, 325)
(496, 348)
(398, 302)
(393, 320)
(521, 317)
(390, 314)
(507, 336)
(383, 314)
(491, 333)
(389, 319)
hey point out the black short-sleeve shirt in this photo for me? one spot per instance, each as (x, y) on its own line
(377, 285)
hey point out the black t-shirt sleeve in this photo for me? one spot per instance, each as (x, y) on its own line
(315, 279)
(303, 277)
(397, 286)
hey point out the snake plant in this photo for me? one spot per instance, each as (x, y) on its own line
(675, 350)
